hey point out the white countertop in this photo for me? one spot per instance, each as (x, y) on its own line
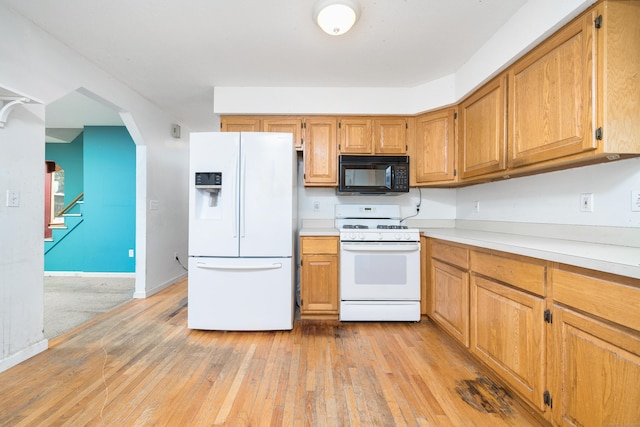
(613, 250)
(616, 259)
(319, 231)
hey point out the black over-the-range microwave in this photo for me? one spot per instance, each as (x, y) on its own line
(373, 174)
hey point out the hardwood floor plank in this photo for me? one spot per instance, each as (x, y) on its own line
(158, 372)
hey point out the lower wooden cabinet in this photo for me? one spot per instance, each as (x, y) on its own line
(319, 277)
(450, 299)
(565, 339)
(595, 375)
(597, 371)
(508, 335)
(448, 293)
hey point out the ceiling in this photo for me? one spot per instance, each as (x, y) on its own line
(173, 52)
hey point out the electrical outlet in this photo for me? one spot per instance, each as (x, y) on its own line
(130, 253)
(316, 206)
(175, 255)
(586, 202)
(476, 206)
(635, 200)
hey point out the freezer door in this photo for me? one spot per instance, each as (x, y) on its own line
(240, 294)
(266, 194)
(213, 213)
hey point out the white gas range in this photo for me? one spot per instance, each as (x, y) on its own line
(379, 264)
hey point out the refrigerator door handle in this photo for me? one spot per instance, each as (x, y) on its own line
(243, 184)
(235, 202)
(273, 266)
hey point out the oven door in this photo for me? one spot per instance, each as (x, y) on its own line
(379, 271)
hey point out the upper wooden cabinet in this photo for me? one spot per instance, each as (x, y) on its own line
(372, 135)
(432, 152)
(320, 152)
(293, 125)
(355, 135)
(390, 135)
(482, 130)
(240, 124)
(574, 97)
(286, 124)
(551, 96)
(618, 84)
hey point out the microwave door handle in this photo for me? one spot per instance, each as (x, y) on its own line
(391, 178)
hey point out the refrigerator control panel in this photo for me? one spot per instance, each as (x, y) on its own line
(208, 179)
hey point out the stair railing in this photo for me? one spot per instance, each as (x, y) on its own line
(70, 205)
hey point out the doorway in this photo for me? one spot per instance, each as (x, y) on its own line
(90, 256)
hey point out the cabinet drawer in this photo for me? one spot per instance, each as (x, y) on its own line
(601, 297)
(319, 245)
(450, 254)
(519, 272)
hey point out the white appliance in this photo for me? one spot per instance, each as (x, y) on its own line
(379, 264)
(241, 231)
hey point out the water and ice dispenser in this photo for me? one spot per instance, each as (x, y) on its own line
(208, 194)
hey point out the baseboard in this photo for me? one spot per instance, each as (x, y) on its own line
(23, 355)
(88, 274)
(148, 292)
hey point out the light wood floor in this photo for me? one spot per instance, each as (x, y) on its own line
(141, 365)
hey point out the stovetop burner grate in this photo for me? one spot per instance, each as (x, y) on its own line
(392, 227)
(356, 226)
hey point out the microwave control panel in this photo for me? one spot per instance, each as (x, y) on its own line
(402, 177)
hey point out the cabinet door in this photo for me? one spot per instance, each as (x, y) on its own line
(482, 122)
(450, 299)
(355, 135)
(239, 124)
(390, 135)
(320, 152)
(551, 97)
(508, 334)
(286, 125)
(597, 372)
(425, 276)
(433, 149)
(319, 284)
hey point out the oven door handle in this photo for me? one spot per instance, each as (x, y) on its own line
(402, 247)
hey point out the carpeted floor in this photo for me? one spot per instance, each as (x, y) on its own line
(70, 301)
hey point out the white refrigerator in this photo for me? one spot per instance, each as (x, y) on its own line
(241, 231)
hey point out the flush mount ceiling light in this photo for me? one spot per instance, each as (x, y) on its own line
(336, 17)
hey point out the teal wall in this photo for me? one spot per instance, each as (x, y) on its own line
(101, 242)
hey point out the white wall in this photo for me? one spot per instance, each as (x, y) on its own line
(554, 198)
(36, 65)
(21, 236)
(536, 20)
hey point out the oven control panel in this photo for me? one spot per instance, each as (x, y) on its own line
(380, 236)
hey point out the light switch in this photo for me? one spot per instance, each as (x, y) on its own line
(13, 198)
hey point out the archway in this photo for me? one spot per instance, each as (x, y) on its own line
(90, 261)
